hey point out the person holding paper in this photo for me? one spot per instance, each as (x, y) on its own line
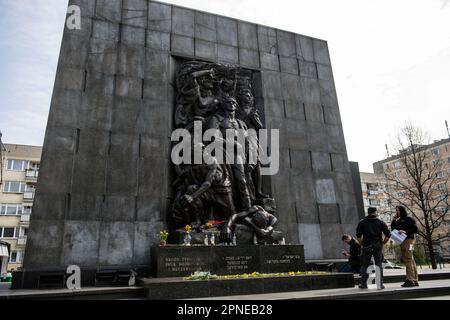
(407, 226)
(370, 233)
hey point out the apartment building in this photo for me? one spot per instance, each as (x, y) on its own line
(18, 177)
(374, 189)
(437, 157)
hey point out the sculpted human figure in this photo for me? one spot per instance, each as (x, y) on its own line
(260, 221)
(206, 184)
(226, 120)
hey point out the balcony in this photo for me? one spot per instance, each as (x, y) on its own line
(25, 218)
(31, 175)
(28, 196)
(21, 241)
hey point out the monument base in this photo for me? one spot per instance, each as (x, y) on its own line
(180, 261)
(177, 288)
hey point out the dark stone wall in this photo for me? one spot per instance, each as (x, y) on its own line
(104, 185)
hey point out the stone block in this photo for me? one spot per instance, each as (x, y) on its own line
(151, 208)
(134, 13)
(329, 213)
(156, 66)
(349, 214)
(321, 161)
(50, 204)
(129, 87)
(58, 173)
(304, 48)
(247, 36)
(307, 69)
(132, 36)
(314, 112)
(130, 61)
(321, 54)
(206, 49)
(182, 44)
(86, 207)
(80, 246)
(328, 95)
(99, 84)
(331, 240)
(158, 40)
(332, 115)
(289, 65)
(102, 56)
(205, 26)
(249, 58)
(106, 30)
(159, 17)
(155, 89)
(44, 243)
(183, 22)
(109, 10)
(271, 84)
(89, 174)
(311, 238)
(291, 87)
(345, 193)
(311, 90)
(267, 40)
(286, 44)
(297, 134)
(60, 140)
(339, 162)
(325, 191)
(154, 119)
(119, 208)
(295, 110)
(269, 61)
(227, 31)
(274, 108)
(154, 183)
(301, 161)
(95, 111)
(227, 54)
(324, 72)
(146, 235)
(125, 116)
(64, 108)
(116, 243)
(71, 79)
(74, 52)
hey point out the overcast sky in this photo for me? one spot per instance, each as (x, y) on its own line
(391, 62)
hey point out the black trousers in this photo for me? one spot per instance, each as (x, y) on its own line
(375, 251)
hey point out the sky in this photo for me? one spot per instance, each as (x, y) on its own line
(390, 59)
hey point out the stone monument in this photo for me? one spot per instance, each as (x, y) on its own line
(135, 71)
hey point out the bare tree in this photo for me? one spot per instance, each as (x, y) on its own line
(417, 183)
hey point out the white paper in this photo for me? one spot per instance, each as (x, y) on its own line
(397, 236)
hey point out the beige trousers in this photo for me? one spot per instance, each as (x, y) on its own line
(408, 259)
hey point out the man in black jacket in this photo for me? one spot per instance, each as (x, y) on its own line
(354, 258)
(370, 232)
(408, 226)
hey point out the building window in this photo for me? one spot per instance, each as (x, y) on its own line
(14, 187)
(439, 174)
(435, 152)
(7, 232)
(448, 160)
(16, 257)
(442, 186)
(17, 165)
(11, 209)
(397, 164)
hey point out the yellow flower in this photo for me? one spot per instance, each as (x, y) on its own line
(187, 228)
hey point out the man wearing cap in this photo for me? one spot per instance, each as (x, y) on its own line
(370, 233)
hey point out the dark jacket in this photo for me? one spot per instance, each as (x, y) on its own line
(355, 251)
(406, 224)
(372, 229)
